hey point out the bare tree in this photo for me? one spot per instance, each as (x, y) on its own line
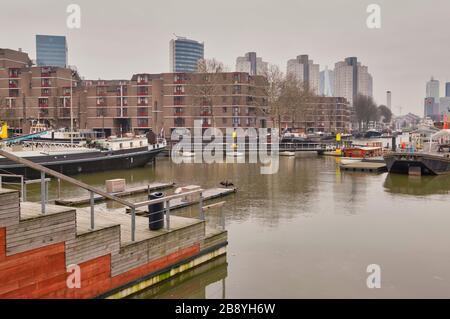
(295, 100)
(205, 86)
(272, 90)
(365, 110)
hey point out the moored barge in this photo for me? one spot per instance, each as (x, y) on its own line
(101, 155)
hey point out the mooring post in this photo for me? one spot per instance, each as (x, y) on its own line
(133, 223)
(92, 211)
(168, 215)
(200, 207)
(222, 218)
(43, 200)
(46, 190)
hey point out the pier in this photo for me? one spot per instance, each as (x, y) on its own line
(367, 167)
(116, 253)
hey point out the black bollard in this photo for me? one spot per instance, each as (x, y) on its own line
(156, 212)
(394, 143)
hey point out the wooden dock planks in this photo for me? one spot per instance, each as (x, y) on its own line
(81, 200)
(177, 203)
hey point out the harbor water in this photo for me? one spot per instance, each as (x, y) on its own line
(310, 230)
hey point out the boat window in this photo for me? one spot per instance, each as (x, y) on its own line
(140, 143)
(120, 145)
(131, 144)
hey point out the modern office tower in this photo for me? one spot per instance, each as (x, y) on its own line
(305, 71)
(251, 64)
(326, 82)
(433, 89)
(447, 89)
(185, 54)
(351, 78)
(389, 99)
(51, 50)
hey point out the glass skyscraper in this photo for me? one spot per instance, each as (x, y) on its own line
(184, 55)
(51, 50)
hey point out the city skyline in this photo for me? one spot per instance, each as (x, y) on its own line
(98, 53)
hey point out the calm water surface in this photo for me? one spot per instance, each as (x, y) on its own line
(311, 231)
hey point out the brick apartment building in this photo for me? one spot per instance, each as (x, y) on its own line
(146, 102)
(29, 93)
(322, 114)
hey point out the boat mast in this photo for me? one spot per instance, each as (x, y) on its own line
(71, 104)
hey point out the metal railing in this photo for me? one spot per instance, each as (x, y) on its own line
(92, 190)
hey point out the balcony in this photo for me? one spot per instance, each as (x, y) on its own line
(45, 92)
(43, 105)
(142, 123)
(142, 112)
(142, 103)
(13, 93)
(142, 81)
(142, 92)
(179, 79)
(13, 84)
(178, 113)
(13, 73)
(46, 84)
(205, 113)
(206, 125)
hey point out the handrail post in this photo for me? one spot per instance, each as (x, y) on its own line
(59, 188)
(133, 223)
(222, 218)
(1, 182)
(168, 215)
(200, 206)
(92, 211)
(24, 191)
(43, 200)
(21, 189)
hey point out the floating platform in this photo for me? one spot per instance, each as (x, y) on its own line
(178, 203)
(367, 167)
(82, 200)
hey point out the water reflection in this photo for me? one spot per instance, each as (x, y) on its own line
(417, 185)
(204, 281)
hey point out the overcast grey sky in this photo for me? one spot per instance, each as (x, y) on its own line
(118, 39)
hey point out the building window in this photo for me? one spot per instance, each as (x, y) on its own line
(224, 109)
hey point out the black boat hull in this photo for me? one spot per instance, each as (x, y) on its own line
(74, 166)
(429, 164)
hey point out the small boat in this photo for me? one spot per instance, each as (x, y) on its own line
(187, 154)
(287, 153)
(350, 160)
(235, 154)
(372, 134)
(357, 153)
